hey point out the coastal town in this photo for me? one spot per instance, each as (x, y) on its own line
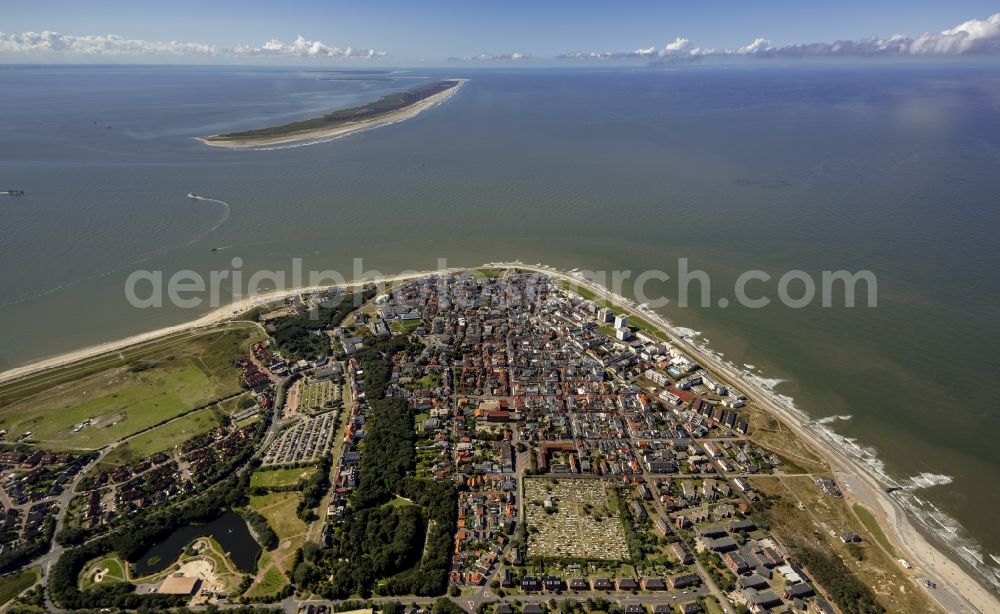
(492, 437)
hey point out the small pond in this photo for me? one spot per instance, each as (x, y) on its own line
(229, 530)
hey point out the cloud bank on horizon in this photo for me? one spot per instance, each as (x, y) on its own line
(974, 37)
(515, 56)
(114, 45)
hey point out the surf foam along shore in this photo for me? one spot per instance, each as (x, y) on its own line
(387, 110)
(944, 529)
(972, 583)
(842, 453)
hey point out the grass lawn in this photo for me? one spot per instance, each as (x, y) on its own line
(873, 527)
(13, 585)
(279, 509)
(583, 291)
(269, 584)
(771, 433)
(273, 478)
(285, 552)
(403, 327)
(218, 556)
(634, 320)
(163, 438)
(710, 605)
(397, 501)
(127, 392)
(115, 573)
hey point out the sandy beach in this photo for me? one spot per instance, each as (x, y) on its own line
(963, 590)
(323, 134)
(213, 318)
(957, 589)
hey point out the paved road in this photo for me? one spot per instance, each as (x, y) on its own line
(899, 525)
(706, 578)
(472, 602)
(46, 560)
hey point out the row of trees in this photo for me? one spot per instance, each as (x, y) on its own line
(842, 586)
(408, 544)
(313, 489)
(265, 534)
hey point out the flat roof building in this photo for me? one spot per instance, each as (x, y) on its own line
(179, 585)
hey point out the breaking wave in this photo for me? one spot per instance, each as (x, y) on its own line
(927, 480)
(947, 531)
(830, 419)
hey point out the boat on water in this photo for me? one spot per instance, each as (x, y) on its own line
(193, 195)
(13, 192)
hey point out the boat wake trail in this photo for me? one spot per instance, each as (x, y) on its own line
(226, 209)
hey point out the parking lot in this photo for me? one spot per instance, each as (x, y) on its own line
(306, 440)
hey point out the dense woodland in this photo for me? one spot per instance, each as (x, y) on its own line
(302, 336)
(382, 547)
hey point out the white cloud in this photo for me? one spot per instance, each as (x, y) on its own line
(974, 37)
(112, 44)
(758, 46)
(53, 42)
(678, 50)
(515, 56)
(680, 45)
(307, 49)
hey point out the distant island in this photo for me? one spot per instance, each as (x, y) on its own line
(390, 108)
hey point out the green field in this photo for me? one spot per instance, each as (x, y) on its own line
(115, 573)
(404, 327)
(274, 478)
(270, 583)
(125, 393)
(13, 585)
(163, 438)
(398, 501)
(279, 509)
(873, 527)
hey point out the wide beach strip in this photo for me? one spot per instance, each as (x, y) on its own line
(386, 110)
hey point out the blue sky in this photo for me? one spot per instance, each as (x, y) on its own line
(435, 31)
